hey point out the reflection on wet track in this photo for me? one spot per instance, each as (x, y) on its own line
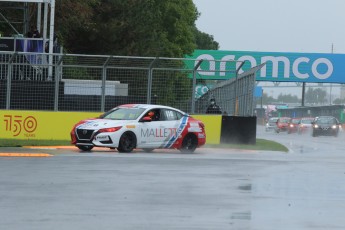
(210, 189)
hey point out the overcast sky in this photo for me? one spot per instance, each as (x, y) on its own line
(309, 26)
(305, 26)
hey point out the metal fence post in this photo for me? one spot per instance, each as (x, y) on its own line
(194, 85)
(104, 78)
(57, 81)
(252, 87)
(236, 85)
(9, 81)
(149, 81)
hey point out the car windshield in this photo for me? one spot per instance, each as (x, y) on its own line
(284, 120)
(273, 119)
(306, 121)
(123, 114)
(325, 121)
(295, 121)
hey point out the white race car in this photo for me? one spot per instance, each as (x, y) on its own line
(144, 126)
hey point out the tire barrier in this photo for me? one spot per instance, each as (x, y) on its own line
(238, 130)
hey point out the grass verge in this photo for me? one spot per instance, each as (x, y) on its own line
(261, 144)
(20, 143)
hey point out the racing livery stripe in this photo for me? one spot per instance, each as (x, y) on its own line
(180, 129)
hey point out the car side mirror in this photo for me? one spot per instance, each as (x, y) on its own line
(146, 119)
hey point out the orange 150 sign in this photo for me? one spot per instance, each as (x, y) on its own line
(20, 124)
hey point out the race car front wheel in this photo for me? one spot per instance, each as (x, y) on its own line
(85, 147)
(127, 143)
(189, 144)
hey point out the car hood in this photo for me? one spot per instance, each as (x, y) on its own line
(283, 123)
(306, 125)
(325, 125)
(95, 124)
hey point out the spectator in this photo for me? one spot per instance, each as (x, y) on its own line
(34, 33)
(213, 108)
(55, 45)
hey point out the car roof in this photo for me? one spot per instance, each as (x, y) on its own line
(324, 117)
(148, 106)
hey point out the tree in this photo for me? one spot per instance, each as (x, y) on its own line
(72, 18)
(205, 41)
(288, 98)
(128, 28)
(339, 101)
(316, 96)
(137, 28)
(157, 28)
(266, 100)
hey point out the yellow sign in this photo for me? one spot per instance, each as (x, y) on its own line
(16, 124)
(213, 125)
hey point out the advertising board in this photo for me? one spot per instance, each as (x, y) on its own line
(280, 67)
(39, 125)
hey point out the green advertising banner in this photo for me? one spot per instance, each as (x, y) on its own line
(283, 67)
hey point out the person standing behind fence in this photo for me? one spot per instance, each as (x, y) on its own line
(33, 33)
(213, 108)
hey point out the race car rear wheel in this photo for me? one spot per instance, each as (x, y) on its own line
(128, 142)
(85, 147)
(189, 144)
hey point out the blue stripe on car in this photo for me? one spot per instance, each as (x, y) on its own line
(180, 129)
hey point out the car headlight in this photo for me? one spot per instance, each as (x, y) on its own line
(316, 126)
(109, 130)
(334, 126)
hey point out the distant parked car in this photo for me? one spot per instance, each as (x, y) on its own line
(326, 126)
(293, 125)
(271, 124)
(305, 125)
(282, 124)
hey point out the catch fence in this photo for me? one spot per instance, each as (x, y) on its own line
(70, 82)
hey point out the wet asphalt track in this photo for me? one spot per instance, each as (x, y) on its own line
(210, 189)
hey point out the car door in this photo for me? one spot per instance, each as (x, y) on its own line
(161, 130)
(153, 132)
(173, 123)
